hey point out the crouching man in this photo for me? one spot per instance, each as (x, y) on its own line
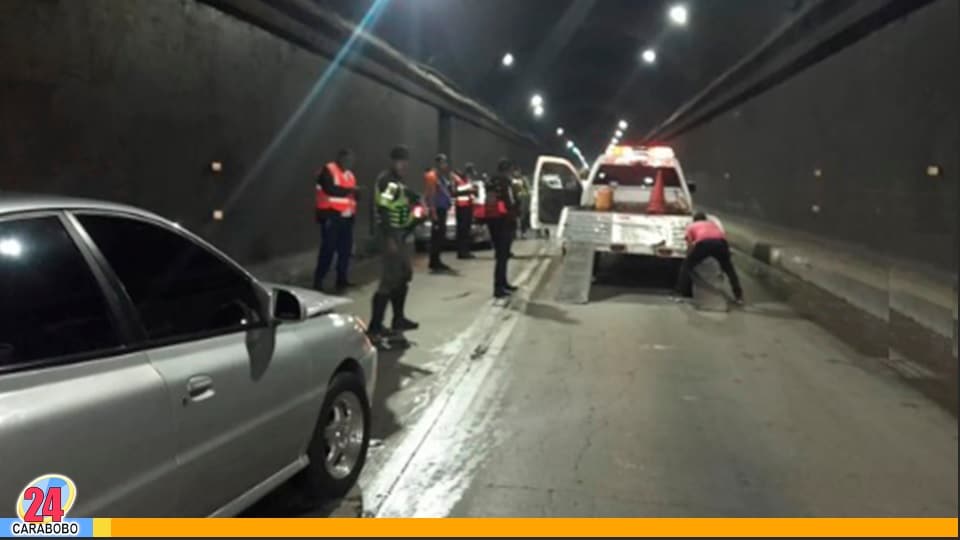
(706, 239)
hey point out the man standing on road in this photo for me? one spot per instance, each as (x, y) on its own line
(336, 207)
(465, 196)
(522, 194)
(706, 239)
(500, 213)
(394, 222)
(438, 187)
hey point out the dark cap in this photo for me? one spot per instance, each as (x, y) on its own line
(504, 165)
(470, 168)
(399, 152)
(441, 158)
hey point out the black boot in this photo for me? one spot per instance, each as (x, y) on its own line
(375, 330)
(400, 321)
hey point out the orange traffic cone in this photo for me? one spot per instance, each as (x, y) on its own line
(657, 204)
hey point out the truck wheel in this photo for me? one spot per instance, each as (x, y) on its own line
(338, 449)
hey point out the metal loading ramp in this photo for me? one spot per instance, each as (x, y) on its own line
(576, 274)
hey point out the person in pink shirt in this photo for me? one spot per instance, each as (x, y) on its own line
(705, 239)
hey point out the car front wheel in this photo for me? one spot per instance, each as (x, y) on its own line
(338, 449)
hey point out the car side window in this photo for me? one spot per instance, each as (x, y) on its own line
(180, 289)
(51, 305)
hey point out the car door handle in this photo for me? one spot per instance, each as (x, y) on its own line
(199, 388)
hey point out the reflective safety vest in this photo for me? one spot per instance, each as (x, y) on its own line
(397, 205)
(494, 206)
(464, 191)
(345, 206)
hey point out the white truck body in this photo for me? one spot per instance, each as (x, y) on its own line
(565, 205)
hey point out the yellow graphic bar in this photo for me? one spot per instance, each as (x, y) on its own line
(534, 527)
(102, 527)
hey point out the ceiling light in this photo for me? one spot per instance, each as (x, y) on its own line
(679, 15)
(536, 101)
(569, 144)
(619, 134)
(649, 56)
(538, 111)
(559, 132)
(10, 247)
(622, 125)
(507, 60)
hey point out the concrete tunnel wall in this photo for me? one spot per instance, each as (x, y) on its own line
(852, 136)
(132, 101)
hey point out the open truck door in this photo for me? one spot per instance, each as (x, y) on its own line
(556, 185)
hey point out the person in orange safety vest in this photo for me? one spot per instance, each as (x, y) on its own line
(464, 199)
(336, 208)
(438, 197)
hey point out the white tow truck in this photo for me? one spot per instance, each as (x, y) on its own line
(634, 201)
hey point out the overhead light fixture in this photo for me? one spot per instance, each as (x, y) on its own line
(569, 144)
(649, 56)
(619, 133)
(538, 111)
(507, 60)
(559, 132)
(679, 15)
(11, 247)
(536, 101)
(623, 124)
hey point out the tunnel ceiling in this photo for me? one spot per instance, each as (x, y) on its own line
(582, 56)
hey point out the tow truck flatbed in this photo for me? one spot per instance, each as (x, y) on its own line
(648, 209)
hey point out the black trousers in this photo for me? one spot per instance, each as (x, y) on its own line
(464, 224)
(501, 232)
(438, 238)
(719, 250)
(336, 240)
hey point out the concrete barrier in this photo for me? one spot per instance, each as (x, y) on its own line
(888, 310)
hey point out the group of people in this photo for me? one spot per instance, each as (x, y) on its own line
(398, 210)
(396, 214)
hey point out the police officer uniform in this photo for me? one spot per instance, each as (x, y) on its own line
(393, 202)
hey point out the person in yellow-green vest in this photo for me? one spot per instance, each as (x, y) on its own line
(394, 214)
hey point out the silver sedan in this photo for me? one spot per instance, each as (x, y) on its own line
(159, 375)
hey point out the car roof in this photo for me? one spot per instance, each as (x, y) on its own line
(12, 202)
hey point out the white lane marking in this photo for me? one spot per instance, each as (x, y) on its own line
(492, 326)
(460, 429)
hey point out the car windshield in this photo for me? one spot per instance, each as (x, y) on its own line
(636, 175)
(634, 185)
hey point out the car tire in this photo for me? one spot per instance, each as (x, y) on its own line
(344, 421)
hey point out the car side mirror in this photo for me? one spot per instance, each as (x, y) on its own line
(692, 186)
(287, 307)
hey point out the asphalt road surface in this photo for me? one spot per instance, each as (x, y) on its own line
(638, 405)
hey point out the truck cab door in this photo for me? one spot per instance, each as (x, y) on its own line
(556, 185)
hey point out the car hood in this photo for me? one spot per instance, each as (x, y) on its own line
(315, 302)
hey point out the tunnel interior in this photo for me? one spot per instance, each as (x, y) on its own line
(821, 136)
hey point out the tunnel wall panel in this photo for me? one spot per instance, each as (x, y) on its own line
(131, 102)
(841, 150)
(472, 144)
